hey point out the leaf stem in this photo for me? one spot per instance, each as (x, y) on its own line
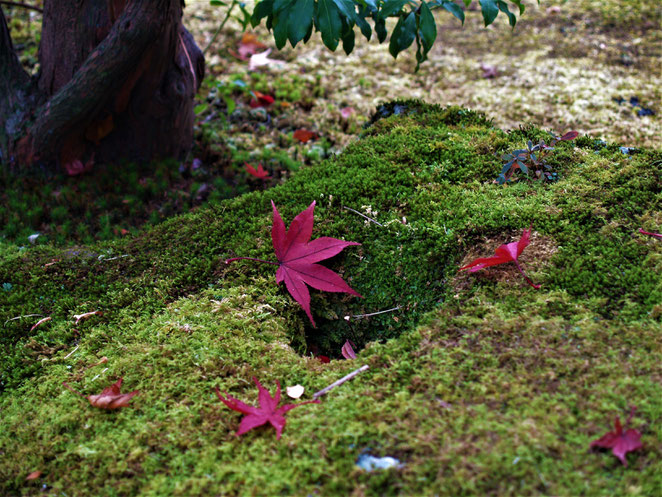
(528, 280)
(220, 27)
(228, 261)
(65, 384)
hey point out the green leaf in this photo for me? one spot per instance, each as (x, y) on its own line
(455, 9)
(300, 20)
(329, 23)
(503, 7)
(280, 28)
(380, 29)
(403, 34)
(347, 8)
(348, 41)
(523, 167)
(427, 28)
(391, 7)
(365, 28)
(308, 34)
(230, 104)
(467, 2)
(261, 10)
(216, 2)
(490, 11)
(520, 5)
(280, 5)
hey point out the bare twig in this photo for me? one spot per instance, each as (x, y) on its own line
(24, 316)
(70, 353)
(357, 316)
(340, 381)
(22, 5)
(102, 257)
(363, 215)
(102, 372)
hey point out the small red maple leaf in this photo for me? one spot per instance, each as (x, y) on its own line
(261, 100)
(297, 256)
(508, 252)
(268, 412)
(303, 135)
(620, 442)
(656, 235)
(259, 173)
(110, 397)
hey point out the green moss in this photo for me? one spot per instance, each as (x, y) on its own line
(479, 384)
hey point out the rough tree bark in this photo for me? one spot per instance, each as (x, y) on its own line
(116, 82)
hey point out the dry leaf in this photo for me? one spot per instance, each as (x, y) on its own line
(303, 135)
(33, 476)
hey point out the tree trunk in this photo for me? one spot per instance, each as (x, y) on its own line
(117, 82)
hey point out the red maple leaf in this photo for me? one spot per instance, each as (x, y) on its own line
(297, 256)
(261, 100)
(268, 412)
(259, 173)
(620, 442)
(347, 351)
(656, 235)
(110, 397)
(508, 252)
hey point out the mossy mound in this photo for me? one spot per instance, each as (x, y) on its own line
(486, 386)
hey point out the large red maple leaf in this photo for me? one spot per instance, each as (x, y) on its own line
(268, 412)
(297, 257)
(508, 252)
(620, 442)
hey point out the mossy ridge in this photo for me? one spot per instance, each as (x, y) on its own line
(531, 377)
(185, 254)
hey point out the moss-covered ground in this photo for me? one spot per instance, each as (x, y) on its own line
(478, 383)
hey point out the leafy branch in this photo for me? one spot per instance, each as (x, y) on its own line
(335, 20)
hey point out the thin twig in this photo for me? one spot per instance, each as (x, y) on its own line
(24, 316)
(347, 318)
(102, 372)
(102, 257)
(69, 354)
(363, 215)
(340, 381)
(22, 5)
(220, 27)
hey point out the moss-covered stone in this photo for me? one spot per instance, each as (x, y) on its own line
(485, 385)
